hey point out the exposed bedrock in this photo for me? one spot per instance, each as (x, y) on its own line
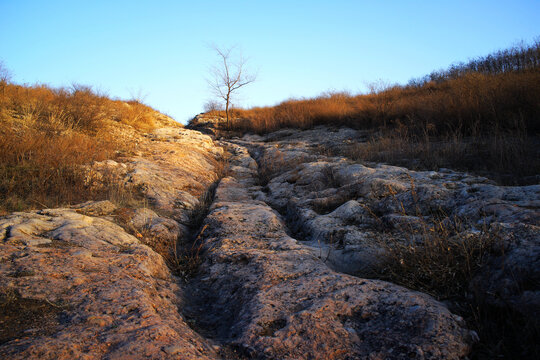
(262, 293)
(80, 287)
(344, 210)
(76, 285)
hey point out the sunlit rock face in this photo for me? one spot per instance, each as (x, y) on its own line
(100, 293)
(76, 285)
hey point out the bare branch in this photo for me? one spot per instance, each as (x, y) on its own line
(228, 78)
(5, 74)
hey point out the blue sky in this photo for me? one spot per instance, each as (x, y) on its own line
(160, 50)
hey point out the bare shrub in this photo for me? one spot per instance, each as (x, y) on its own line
(440, 255)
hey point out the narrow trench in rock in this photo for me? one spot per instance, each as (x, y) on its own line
(256, 152)
(187, 252)
(237, 302)
(289, 216)
(203, 308)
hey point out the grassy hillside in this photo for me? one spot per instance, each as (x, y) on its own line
(501, 90)
(46, 135)
(481, 115)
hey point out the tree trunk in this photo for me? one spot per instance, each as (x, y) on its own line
(227, 114)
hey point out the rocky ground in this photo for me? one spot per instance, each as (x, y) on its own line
(289, 253)
(76, 285)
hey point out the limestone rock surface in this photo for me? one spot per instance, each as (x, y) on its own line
(103, 294)
(262, 293)
(342, 209)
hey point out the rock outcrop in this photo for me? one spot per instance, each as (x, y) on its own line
(262, 293)
(95, 291)
(285, 248)
(75, 285)
(345, 210)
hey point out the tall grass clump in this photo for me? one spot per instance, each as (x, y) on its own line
(441, 255)
(47, 135)
(441, 259)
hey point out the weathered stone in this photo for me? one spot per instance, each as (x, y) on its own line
(102, 293)
(95, 208)
(117, 296)
(261, 291)
(343, 210)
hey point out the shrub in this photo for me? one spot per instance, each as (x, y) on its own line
(440, 255)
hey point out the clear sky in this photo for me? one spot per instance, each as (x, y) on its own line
(160, 50)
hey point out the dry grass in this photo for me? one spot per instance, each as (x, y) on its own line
(435, 254)
(509, 157)
(441, 259)
(481, 114)
(473, 102)
(495, 91)
(438, 257)
(48, 134)
(441, 255)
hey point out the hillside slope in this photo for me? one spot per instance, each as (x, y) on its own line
(125, 235)
(298, 258)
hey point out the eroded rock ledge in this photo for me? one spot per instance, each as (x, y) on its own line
(75, 285)
(266, 296)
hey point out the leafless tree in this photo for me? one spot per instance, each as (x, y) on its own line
(228, 77)
(5, 76)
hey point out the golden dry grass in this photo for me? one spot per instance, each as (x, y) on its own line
(495, 91)
(474, 102)
(481, 116)
(47, 134)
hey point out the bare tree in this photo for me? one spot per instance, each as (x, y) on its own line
(5, 76)
(228, 77)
